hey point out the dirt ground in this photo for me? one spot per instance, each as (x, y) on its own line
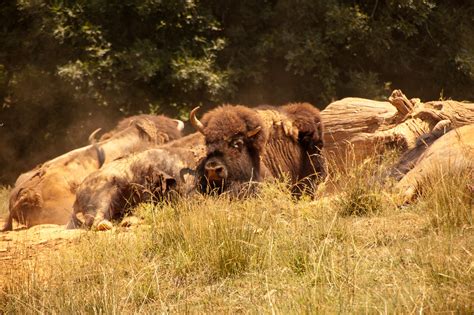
(24, 245)
(28, 244)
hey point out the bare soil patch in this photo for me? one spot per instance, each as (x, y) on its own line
(23, 245)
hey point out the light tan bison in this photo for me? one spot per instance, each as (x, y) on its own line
(46, 194)
(435, 152)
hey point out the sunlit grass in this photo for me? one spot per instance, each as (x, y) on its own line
(448, 199)
(268, 253)
(4, 194)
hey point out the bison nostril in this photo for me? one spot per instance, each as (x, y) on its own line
(214, 171)
(219, 170)
(211, 165)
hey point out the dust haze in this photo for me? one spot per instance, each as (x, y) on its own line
(42, 133)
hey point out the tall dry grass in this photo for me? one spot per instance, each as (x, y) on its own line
(448, 197)
(4, 193)
(351, 250)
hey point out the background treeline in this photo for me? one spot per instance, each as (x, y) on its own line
(67, 67)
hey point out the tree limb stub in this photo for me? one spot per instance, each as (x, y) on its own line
(401, 102)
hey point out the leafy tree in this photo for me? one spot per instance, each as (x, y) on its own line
(67, 67)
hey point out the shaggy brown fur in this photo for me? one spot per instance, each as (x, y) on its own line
(162, 123)
(150, 175)
(307, 121)
(227, 121)
(46, 194)
(234, 157)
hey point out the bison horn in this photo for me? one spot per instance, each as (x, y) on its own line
(253, 132)
(92, 139)
(195, 122)
(180, 124)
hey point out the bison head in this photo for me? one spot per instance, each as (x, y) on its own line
(235, 138)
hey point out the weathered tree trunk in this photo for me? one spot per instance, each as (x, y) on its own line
(357, 128)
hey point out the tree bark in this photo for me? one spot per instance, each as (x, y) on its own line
(357, 128)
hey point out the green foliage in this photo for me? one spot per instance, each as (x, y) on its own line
(358, 201)
(63, 62)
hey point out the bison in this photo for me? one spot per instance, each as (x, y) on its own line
(46, 194)
(435, 151)
(247, 145)
(165, 125)
(149, 175)
(409, 159)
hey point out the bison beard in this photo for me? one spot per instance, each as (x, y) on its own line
(247, 145)
(224, 172)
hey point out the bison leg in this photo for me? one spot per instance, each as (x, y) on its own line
(94, 218)
(74, 223)
(100, 222)
(9, 224)
(99, 206)
(104, 225)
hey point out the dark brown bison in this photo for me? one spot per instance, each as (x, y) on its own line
(149, 175)
(247, 145)
(46, 194)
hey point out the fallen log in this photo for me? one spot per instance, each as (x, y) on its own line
(357, 128)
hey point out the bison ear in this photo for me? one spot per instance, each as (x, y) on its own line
(254, 132)
(168, 184)
(171, 182)
(147, 127)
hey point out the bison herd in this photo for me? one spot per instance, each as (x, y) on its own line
(145, 158)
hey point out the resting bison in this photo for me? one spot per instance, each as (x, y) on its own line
(452, 151)
(145, 176)
(245, 145)
(165, 125)
(46, 194)
(409, 159)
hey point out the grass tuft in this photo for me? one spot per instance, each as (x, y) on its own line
(212, 235)
(364, 189)
(448, 198)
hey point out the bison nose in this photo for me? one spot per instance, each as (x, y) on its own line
(214, 171)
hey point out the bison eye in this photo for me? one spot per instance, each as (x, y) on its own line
(237, 143)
